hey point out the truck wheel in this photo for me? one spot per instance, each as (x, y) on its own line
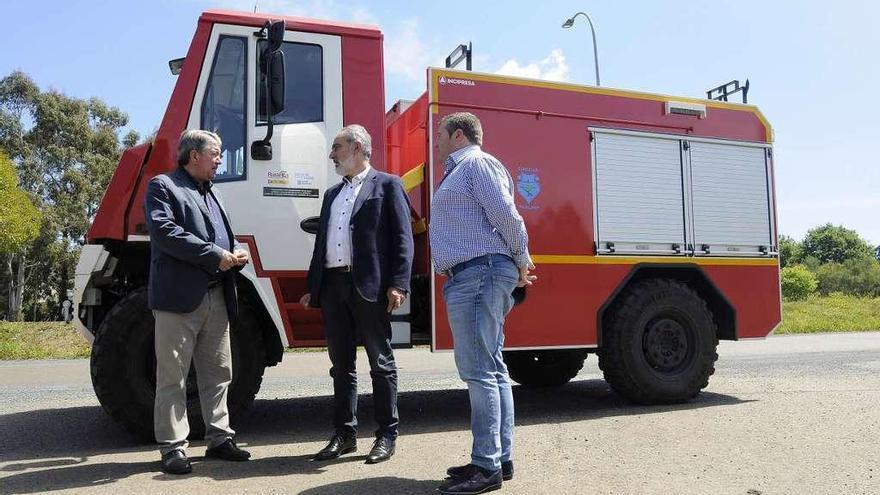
(544, 368)
(121, 364)
(123, 367)
(659, 343)
(248, 359)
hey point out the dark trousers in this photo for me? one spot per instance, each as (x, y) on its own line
(348, 317)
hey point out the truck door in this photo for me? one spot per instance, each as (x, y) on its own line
(268, 199)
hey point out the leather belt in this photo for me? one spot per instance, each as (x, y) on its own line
(479, 260)
(340, 269)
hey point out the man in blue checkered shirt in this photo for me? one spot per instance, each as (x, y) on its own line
(479, 241)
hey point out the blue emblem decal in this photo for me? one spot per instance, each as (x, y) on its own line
(528, 184)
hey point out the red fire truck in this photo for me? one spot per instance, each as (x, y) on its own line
(651, 218)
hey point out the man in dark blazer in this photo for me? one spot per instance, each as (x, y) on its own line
(359, 274)
(191, 291)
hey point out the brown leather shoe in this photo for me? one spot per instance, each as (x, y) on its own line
(339, 445)
(383, 449)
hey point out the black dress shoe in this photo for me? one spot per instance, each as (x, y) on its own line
(175, 462)
(459, 471)
(475, 480)
(383, 449)
(340, 444)
(228, 451)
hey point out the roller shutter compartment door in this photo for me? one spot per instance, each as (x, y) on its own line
(638, 194)
(730, 197)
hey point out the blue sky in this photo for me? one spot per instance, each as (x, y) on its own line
(812, 65)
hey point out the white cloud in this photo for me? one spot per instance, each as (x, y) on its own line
(361, 15)
(406, 55)
(552, 68)
(480, 61)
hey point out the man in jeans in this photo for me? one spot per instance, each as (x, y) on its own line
(479, 241)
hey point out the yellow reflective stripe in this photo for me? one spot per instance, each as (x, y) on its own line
(413, 178)
(565, 259)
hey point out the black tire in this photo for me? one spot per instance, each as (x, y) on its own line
(659, 343)
(123, 367)
(248, 359)
(549, 368)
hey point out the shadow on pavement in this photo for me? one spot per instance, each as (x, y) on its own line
(382, 485)
(63, 440)
(103, 474)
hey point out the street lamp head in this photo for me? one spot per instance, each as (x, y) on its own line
(570, 22)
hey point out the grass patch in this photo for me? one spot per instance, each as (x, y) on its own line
(41, 340)
(834, 313)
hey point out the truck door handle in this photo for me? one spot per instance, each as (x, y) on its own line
(310, 224)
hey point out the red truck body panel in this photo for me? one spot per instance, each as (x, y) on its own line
(406, 155)
(542, 126)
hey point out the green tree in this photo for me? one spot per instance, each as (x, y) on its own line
(19, 226)
(131, 139)
(790, 251)
(19, 218)
(835, 243)
(65, 150)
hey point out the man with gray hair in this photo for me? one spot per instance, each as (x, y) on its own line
(191, 291)
(359, 274)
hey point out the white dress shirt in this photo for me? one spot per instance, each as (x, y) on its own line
(338, 230)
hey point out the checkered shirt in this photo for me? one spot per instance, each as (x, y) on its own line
(473, 212)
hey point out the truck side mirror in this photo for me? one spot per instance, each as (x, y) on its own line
(272, 72)
(277, 86)
(275, 34)
(275, 70)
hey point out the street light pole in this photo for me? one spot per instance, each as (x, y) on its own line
(570, 22)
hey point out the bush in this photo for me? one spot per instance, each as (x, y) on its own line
(853, 277)
(797, 283)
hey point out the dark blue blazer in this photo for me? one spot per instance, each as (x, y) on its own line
(183, 256)
(381, 238)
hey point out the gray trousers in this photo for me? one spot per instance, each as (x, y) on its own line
(200, 337)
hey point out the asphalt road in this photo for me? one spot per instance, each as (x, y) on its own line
(786, 415)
